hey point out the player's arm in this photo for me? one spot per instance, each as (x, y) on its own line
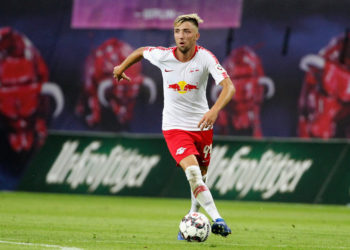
(209, 118)
(134, 57)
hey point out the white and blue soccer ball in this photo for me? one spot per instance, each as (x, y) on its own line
(195, 227)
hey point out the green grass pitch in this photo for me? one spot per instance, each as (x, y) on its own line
(67, 222)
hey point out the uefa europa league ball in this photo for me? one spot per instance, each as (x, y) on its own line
(195, 227)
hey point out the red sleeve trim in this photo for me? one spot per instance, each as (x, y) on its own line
(225, 75)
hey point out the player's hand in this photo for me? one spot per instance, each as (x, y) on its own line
(208, 120)
(120, 75)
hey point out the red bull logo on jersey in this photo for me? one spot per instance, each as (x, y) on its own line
(182, 87)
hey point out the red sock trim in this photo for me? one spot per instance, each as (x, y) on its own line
(199, 189)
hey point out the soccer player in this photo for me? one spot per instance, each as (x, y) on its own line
(187, 121)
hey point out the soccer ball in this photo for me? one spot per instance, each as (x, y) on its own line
(195, 227)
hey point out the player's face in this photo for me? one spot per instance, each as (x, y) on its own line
(186, 34)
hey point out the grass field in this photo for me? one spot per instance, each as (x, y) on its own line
(57, 221)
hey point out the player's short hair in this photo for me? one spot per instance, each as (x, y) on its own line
(193, 18)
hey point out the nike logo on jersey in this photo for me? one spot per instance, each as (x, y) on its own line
(168, 70)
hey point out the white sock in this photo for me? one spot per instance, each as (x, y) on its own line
(195, 206)
(201, 191)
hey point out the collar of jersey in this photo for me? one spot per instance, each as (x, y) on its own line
(195, 52)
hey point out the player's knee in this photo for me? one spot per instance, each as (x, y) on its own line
(194, 176)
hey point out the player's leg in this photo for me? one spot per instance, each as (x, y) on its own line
(203, 195)
(182, 147)
(199, 189)
(219, 226)
(204, 142)
(195, 206)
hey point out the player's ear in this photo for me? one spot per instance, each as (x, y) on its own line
(197, 36)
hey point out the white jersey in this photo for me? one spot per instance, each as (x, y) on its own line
(184, 85)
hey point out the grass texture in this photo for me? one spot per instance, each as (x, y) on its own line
(72, 222)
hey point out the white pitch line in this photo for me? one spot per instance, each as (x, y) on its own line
(40, 245)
